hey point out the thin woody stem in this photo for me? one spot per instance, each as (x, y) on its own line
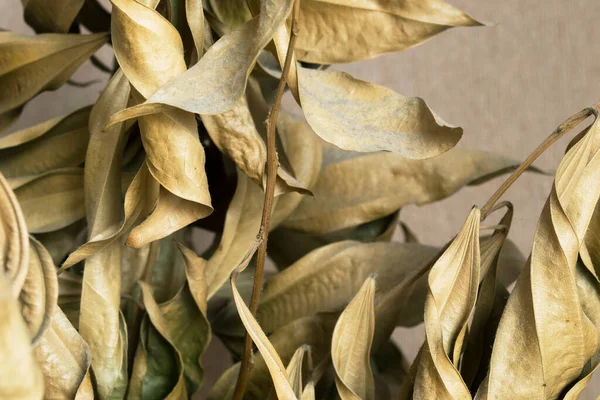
(271, 171)
(559, 132)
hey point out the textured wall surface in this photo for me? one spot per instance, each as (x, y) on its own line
(508, 86)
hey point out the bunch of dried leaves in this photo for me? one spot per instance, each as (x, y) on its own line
(102, 296)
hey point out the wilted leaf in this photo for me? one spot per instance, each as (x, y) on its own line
(53, 200)
(14, 241)
(20, 376)
(37, 63)
(340, 31)
(294, 370)
(327, 278)
(59, 243)
(218, 80)
(57, 143)
(360, 116)
(158, 366)
(39, 294)
(351, 345)
(195, 267)
(527, 360)
(347, 196)
(51, 16)
(64, 358)
(453, 285)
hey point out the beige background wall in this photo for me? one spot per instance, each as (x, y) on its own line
(508, 86)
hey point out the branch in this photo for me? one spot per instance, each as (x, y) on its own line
(263, 234)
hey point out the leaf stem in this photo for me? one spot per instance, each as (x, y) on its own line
(559, 132)
(271, 171)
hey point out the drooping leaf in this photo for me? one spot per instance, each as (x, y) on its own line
(453, 285)
(61, 242)
(14, 241)
(57, 143)
(51, 16)
(39, 295)
(360, 116)
(53, 200)
(20, 376)
(345, 196)
(281, 380)
(327, 278)
(527, 359)
(195, 267)
(351, 345)
(341, 31)
(64, 358)
(218, 80)
(37, 63)
(158, 366)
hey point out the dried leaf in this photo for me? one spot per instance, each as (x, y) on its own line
(327, 278)
(57, 143)
(194, 13)
(52, 201)
(341, 31)
(218, 80)
(37, 63)
(61, 242)
(14, 241)
(527, 360)
(158, 366)
(51, 16)
(453, 285)
(345, 196)
(64, 358)
(39, 294)
(294, 369)
(360, 116)
(351, 345)
(195, 267)
(20, 376)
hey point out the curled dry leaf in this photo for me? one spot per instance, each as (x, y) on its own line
(39, 295)
(150, 52)
(345, 196)
(340, 31)
(195, 271)
(51, 16)
(294, 369)
(281, 380)
(327, 278)
(217, 82)
(453, 285)
(527, 361)
(64, 358)
(20, 376)
(360, 116)
(158, 366)
(53, 200)
(14, 241)
(57, 143)
(351, 345)
(37, 63)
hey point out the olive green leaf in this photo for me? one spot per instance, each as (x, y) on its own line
(527, 359)
(340, 31)
(51, 16)
(158, 366)
(351, 345)
(57, 143)
(37, 63)
(20, 376)
(14, 241)
(64, 358)
(345, 196)
(453, 285)
(53, 200)
(39, 295)
(217, 82)
(281, 380)
(360, 116)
